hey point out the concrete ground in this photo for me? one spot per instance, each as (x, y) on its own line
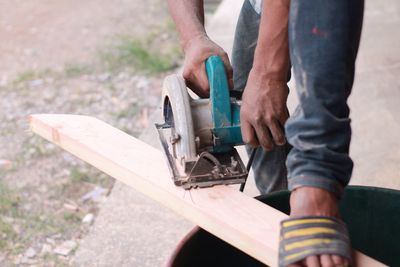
(132, 230)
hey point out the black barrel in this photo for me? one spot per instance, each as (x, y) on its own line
(372, 216)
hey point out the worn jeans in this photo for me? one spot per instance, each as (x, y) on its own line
(323, 43)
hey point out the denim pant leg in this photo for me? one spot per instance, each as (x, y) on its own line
(268, 167)
(323, 39)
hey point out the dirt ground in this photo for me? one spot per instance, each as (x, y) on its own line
(94, 57)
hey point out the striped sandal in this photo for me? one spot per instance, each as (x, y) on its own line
(301, 237)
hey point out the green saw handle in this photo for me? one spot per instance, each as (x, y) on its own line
(219, 92)
(225, 115)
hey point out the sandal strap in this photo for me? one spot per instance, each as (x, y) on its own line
(301, 237)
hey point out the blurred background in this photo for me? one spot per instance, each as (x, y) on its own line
(108, 59)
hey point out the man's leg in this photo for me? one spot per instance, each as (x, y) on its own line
(269, 167)
(324, 38)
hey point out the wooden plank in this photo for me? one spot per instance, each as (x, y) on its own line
(225, 212)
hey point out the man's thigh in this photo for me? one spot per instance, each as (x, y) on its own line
(244, 45)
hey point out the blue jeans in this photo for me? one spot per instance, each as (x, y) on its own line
(323, 42)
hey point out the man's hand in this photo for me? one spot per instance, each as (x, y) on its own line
(263, 112)
(197, 50)
(189, 19)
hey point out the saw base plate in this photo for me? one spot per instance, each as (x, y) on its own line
(207, 170)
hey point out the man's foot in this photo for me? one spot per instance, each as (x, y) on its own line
(311, 201)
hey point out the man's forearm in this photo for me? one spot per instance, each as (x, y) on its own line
(272, 52)
(189, 18)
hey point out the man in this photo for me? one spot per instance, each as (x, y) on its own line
(322, 38)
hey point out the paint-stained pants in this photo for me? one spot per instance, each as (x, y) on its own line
(323, 40)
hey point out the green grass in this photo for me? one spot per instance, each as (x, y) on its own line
(70, 70)
(129, 112)
(9, 201)
(25, 76)
(37, 148)
(72, 217)
(73, 70)
(39, 223)
(7, 234)
(137, 54)
(170, 25)
(31, 75)
(77, 175)
(50, 257)
(33, 222)
(76, 70)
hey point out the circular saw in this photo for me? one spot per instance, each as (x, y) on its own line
(198, 136)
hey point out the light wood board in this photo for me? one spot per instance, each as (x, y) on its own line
(242, 221)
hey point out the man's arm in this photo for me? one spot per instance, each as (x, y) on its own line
(272, 51)
(263, 111)
(189, 19)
